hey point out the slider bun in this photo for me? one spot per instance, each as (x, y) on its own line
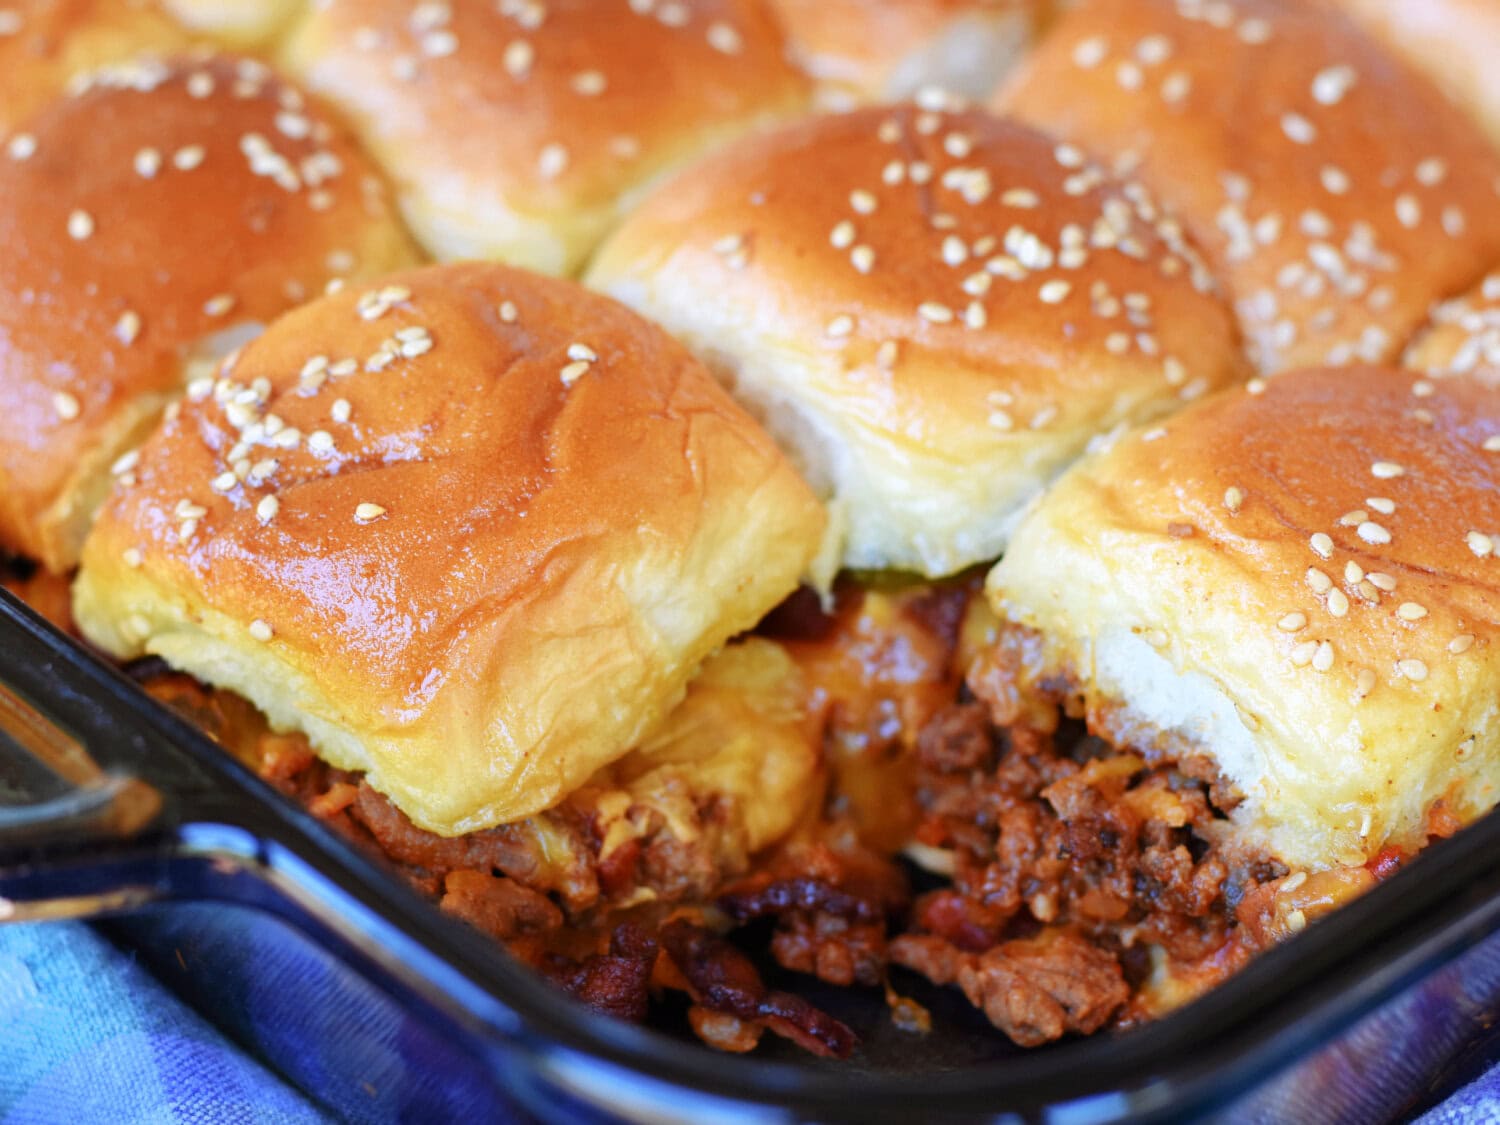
(44, 44)
(1342, 703)
(887, 50)
(1462, 336)
(239, 23)
(1336, 191)
(548, 553)
(111, 280)
(1452, 41)
(522, 132)
(806, 267)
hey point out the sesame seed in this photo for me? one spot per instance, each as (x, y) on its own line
(125, 463)
(1292, 622)
(1372, 532)
(187, 158)
(1354, 574)
(132, 557)
(21, 147)
(1296, 921)
(1233, 498)
(571, 373)
(840, 326)
(266, 510)
(1334, 179)
(1338, 602)
(1329, 86)
(1382, 505)
(260, 630)
(128, 327)
(551, 161)
(887, 354)
(366, 513)
(1023, 198)
(842, 236)
(320, 441)
(65, 406)
(340, 411)
(225, 482)
(1461, 644)
(1353, 518)
(1411, 611)
(508, 312)
(1381, 581)
(1322, 660)
(1430, 172)
(1364, 683)
(1322, 545)
(1386, 470)
(935, 312)
(1090, 53)
(1480, 544)
(1302, 654)
(723, 37)
(80, 225)
(862, 201)
(147, 163)
(1408, 210)
(1413, 670)
(1054, 292)
(1319, 582)
(219, 304)
(589, 83)
(862, 258)
(518, 57)
(1298, 128)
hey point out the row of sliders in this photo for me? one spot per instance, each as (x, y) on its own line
(483, 548)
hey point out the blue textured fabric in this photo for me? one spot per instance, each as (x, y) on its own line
(88, 1035)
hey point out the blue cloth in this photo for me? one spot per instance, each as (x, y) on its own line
(86, 1035)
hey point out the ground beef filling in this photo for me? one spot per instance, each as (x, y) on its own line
(1075, 871)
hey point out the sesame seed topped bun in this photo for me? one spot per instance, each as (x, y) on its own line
(1297, 580)
(238, 23)
(1336, 191)
(163, 211)
(887, 50)
(471, 530)
(1452, 41)
(1463, 335)
(934, 309)
(45, 44)
(521, 131)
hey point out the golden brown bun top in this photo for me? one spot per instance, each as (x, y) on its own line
(45, 43)
(471, 528)
(931, 249)
(1463, 335)
(1452, 41)
(1338, 191)
(562, 105)
(859, 45)
(161, 204)
(1401, 474)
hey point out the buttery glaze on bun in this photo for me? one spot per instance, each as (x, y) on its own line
(471, 530)
(935, 310)
(159, 212)
(886, 50)
(239, 23)
(1452, 41)
(1462, 336)
(522, 131)
(1297, 580)
(1336, 191)
(45, 44)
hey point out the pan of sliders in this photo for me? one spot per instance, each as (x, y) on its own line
(754, 560)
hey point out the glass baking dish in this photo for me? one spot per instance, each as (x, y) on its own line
(113, 808)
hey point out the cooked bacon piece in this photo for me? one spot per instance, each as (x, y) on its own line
(722, 979)
(1035, 991)
(616, 983)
